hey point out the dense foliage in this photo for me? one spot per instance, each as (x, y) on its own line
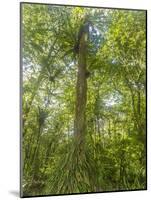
(110, 152)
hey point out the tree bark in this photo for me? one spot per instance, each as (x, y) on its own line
(81, 91)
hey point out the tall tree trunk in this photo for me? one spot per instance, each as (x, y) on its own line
(81, 91)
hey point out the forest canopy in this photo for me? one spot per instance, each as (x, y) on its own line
(83, 99)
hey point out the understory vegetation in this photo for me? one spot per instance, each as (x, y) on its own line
(83, 99)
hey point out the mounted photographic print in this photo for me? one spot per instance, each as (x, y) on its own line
(83, 99)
